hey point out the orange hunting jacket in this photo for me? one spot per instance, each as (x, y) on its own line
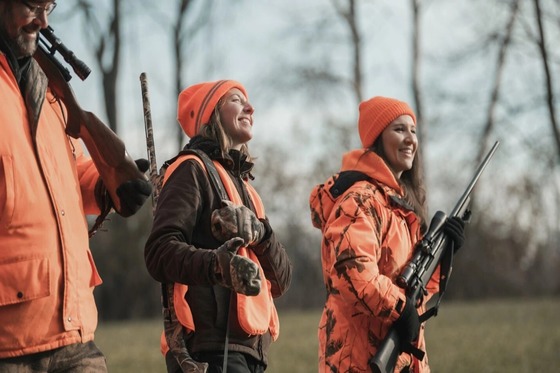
(368, 237)
(47, 273)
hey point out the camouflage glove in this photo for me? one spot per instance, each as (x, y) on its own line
(234, 271)
(236, 221)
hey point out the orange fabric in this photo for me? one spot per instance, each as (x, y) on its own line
(163, 346)
(47, 273)
(197, 102)
(256, 314)
(366, 243)
(376, 114)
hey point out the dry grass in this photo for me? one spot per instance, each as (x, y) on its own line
(492, 336)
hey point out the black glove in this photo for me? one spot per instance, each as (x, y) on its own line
(408, 324)
(236, 221)
(133, 193)
(236, 272)
(454, 227)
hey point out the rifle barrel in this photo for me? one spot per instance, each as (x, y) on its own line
(460, 206)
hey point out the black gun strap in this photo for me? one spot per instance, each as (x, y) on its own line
(345, 180)
(444, 274)
(414, 351)
(212, 172)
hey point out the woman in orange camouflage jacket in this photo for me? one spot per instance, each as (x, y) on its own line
(371, 214)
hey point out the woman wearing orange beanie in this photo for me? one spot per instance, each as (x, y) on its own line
(211, 237)
(371, 214)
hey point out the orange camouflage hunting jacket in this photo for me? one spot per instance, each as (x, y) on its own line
(368, 237)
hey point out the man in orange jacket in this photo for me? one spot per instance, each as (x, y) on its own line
(47, 185)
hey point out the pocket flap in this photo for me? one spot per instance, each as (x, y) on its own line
(23, 280)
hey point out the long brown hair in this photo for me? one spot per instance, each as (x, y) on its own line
(214, 130)
(411, 181)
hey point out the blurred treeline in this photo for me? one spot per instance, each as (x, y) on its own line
(475, 72)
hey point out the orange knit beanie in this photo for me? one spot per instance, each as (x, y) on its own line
(376, 114)
(197, 102)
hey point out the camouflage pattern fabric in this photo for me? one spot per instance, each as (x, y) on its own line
(238, 273)
(236, 221)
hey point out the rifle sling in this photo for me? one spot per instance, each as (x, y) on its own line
(345, 180)
(210, 168)
(444, 274)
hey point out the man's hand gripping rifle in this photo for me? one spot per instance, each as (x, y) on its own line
(122, 177)
(433, 249)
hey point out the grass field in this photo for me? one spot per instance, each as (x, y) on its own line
(492, 336)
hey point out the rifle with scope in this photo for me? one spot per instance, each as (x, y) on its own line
(429, 253)
(107, 151)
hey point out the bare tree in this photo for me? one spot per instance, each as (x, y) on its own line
(182, 35)
(495, 93)
(541, 42)
(415, 65)
(349, 16)
(107, 53)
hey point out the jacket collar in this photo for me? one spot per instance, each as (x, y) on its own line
(235, 161)
(18, 66)
(371, 164)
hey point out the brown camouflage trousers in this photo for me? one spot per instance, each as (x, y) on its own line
(75, 358)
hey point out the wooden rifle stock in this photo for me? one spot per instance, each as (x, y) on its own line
(107, 151)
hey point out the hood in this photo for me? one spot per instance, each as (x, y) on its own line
(323, 197)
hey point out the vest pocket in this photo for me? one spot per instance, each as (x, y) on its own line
(7, 193)
(23, 280)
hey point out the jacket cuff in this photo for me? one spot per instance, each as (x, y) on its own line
(261, 247)
(214, 274)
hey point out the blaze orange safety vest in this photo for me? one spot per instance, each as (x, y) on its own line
(256, 314)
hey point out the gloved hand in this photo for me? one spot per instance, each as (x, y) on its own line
(454, 227)
(408, 324)
(133, 193)
(236, 221)
(236, 272)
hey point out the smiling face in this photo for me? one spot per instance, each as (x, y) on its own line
(20, 27)
(236, 116)
(400, 144)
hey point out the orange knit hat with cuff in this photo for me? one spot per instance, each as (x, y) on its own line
(197, 102)
(376, 114)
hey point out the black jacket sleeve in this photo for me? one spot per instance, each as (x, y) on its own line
(178, 248)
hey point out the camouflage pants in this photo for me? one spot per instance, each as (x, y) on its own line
(79, 357)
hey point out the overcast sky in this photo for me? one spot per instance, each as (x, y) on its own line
(251, 41)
